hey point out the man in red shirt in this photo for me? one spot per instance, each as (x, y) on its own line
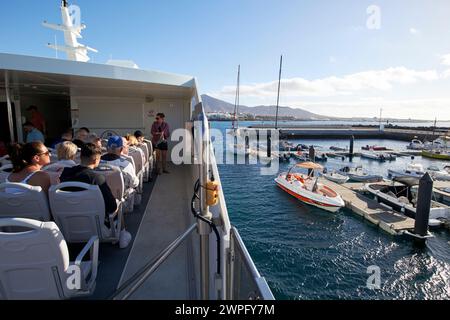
(37, 119)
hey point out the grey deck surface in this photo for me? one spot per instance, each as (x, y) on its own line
(166, 217)
(112, 259)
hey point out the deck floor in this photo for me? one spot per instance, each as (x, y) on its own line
(166, 217)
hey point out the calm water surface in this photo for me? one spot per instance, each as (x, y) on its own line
(307, 253)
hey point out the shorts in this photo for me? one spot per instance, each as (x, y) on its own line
(163, 146)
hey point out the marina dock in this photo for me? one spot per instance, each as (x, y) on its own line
(388, 220)
(359, 132)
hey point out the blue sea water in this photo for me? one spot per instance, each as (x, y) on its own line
(306, 253)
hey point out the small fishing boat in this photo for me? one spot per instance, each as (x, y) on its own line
(334, 148)
(415, 144)
(413, 169)
(302, 147)
(336, 177)
(286, 146)
(374, 148)
(378, 156)
(321, 157)
(436, 154)
(401, 197)
(438, 174)
(359, 175)
(307, 188)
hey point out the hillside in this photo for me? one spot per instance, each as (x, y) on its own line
(216, 105)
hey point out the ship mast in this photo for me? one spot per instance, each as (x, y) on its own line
(236, 101)
(278, 97)
(75, 51)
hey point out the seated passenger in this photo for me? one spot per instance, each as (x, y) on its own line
(33, 134)
(132, 140)
(81, 137)
(66, 157)
(139, 136)
(116, 147)
(94, 139)
(90, 159)
(27, 161)
(66, 136)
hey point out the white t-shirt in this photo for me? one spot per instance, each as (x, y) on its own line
(127, 168)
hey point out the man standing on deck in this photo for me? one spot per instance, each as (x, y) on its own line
(37, 119)
(32, 133)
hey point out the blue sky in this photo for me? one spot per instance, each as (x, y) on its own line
(333, 63)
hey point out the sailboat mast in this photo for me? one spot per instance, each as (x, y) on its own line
(236, 100)
(278, 97)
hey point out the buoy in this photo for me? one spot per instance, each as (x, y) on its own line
(212, 193)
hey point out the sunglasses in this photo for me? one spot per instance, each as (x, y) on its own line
(44, 154)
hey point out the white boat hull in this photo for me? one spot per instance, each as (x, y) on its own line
(337, 178)
(297, 190)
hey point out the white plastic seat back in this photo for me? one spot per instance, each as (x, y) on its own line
(138, 158)
(5, 171)
(149, 146)
(114, 179)
(19, 200)
(130, 159)
(78, 209)
(33, 260)
(5, 160)
(144, 149)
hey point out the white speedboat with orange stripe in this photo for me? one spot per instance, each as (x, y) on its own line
(307, 189)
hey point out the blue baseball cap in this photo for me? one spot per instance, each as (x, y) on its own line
(115, 142)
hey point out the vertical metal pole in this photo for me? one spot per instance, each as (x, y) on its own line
(203, 228)
(279, 87)
(312, 157)
(425, 195)
(352, 145)
(9, 107)
(269, 144)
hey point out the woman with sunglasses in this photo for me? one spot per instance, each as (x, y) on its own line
(160, 134)
(28, 161)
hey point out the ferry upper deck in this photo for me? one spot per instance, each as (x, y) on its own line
(183, 247)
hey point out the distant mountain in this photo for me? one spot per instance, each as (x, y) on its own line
(215, 105)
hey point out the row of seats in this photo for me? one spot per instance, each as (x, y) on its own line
(37, 266)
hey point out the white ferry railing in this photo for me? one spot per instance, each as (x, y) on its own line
(239, 278)
(245, 281)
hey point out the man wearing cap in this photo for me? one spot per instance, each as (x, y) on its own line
(113, 157)
(37, 119)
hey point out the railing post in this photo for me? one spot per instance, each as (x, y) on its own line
(204, 230)
(9, 107)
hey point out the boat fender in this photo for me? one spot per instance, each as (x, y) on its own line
(212, 193)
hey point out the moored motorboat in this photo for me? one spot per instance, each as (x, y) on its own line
(378, 156)
(442, 154)
(359, 175)
(413, 169)
(374, 148)
(438, 174)
(336, 177)
(334, 148)
(400, 197)
(307, 189)
(415, 144)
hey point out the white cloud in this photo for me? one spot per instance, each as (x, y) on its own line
(445, 59)
(414, 31)
(426, 109)
(362, 82)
